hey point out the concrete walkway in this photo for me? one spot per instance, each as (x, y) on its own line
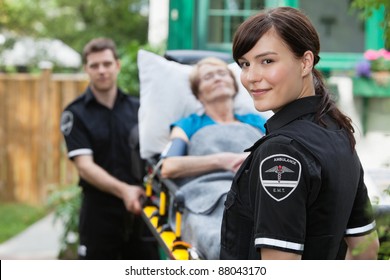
(41, 241)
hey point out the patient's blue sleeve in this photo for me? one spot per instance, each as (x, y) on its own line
(176, 147)
(194, 122)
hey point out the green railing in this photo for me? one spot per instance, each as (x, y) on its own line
(367, 87)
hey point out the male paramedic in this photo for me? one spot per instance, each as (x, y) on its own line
(101, 133)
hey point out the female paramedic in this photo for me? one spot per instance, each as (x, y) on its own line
(300, 193)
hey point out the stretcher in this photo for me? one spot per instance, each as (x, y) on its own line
(162, 195)
(159, 194)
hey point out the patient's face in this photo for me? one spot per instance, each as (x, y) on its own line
(215, 82)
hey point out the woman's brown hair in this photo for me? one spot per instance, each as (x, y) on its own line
(299, 34)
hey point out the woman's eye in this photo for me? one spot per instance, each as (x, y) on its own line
(267, 61)
(243, 64)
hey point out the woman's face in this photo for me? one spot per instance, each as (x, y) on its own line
(215, 83)
(272, 75)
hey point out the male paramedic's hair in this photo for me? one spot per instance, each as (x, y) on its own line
(98, 45)
(299, 35)
(194, 76)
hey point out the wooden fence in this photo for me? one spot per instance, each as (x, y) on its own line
(33, 158)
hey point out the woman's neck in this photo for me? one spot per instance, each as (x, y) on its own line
(221, 112)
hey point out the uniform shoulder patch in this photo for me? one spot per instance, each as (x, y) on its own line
(280, 175)
(66, 122)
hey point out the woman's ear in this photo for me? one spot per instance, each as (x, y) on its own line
(307, 62)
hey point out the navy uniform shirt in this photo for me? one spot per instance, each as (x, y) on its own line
(106, 134)
(92, 129)
(301, 190)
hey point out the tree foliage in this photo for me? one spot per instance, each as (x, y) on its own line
(76, 21)
(367, 7)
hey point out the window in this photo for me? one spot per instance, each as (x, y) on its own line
(339, 27)
(222, 19)
(211, 24)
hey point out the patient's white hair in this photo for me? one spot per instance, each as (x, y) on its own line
(195, 78)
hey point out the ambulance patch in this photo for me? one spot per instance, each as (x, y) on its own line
(66, 122)
(280, 175)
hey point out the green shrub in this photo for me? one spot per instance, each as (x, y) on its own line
(66, 204)
(383, 227)
(128, 79)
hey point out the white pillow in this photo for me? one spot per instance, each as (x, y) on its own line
(166, 97)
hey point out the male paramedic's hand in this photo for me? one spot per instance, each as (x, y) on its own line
(132, 197)
(232, 161)
(97, 176)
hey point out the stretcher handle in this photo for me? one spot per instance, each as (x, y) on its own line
(179, 204)
(148, 188)
(154, 171)
(148, 179)
(164, 200)
(163, 203)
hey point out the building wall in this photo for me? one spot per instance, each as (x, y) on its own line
(339, 27)
(158, 21)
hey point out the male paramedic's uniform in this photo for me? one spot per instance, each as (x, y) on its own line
(301, 190)
(110, 136)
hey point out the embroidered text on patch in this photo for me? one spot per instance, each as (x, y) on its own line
(280, 175)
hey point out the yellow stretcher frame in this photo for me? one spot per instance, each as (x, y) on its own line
(159, 192)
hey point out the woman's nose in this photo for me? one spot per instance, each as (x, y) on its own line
(253, 74)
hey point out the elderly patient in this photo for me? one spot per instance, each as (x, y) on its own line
(215, 86)
(206, 150)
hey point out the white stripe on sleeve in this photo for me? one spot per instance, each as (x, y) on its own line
(79, 152)
(279, 243)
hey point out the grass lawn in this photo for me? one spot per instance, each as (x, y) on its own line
(15, 217)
